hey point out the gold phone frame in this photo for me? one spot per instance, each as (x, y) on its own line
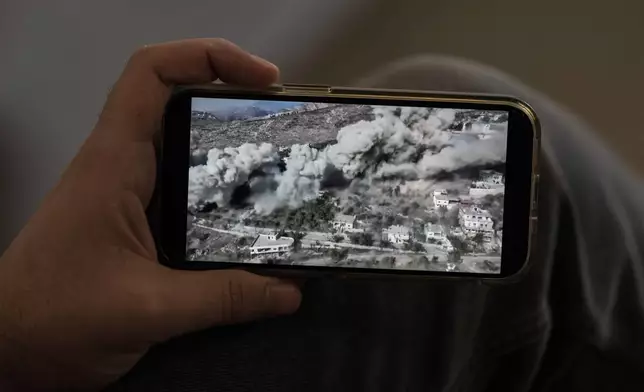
(324, 91)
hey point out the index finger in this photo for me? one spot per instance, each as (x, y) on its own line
(135, 106)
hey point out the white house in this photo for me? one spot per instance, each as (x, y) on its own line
(437, 194)
(343, 222)
(269, 243)
(474, 219)
(446, 201)
(397, 234)
(435, 232)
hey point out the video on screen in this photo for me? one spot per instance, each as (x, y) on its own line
(346, 185)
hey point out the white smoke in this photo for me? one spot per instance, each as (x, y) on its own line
(299, 183)
(412, 143)
(463, 153)
(225, 170)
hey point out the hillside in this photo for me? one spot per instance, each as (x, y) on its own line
(319, 123)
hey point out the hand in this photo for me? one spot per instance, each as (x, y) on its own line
(82, 296)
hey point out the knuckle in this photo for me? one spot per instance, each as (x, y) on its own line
(142, 54)
(219, 43)
(234, 305)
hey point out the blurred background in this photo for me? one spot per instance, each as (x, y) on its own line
(58, 60)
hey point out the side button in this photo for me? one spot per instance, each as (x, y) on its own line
(535, 190)
(313, 88)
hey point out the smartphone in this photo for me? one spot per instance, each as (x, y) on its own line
(313, 180)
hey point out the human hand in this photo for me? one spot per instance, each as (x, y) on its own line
(82, 296)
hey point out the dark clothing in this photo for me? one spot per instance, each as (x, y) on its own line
(574, 322)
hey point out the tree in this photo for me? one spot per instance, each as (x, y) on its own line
(297, 239)
(339, 254)
(458, 244)
(451, 218)
(338, 238)
(478, 239)
(442, 211)
(414, 246)
(363, 238)
(389, 220)
(417, 247)
(455, 257)
(435, 259)
(244, 241)
(385, 243)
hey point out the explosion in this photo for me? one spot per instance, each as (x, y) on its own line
(399, 143)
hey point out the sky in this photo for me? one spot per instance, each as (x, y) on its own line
(218, 104)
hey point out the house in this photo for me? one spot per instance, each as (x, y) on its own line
(343, 222)
(435, 232)
(483, 127)
(397, 234)
(446, 201)
(269, 244)
(476, 220)
(438, 193)
(490, 182)
(492, 177)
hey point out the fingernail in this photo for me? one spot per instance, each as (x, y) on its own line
(264, 61)
(284, 297)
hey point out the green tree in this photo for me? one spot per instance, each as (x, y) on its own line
(338, 238)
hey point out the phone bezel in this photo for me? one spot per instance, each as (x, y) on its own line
(521, 174)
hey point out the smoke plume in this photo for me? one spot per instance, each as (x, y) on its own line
(215, 181)
(399, 143)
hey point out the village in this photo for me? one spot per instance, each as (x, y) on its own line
(462, 236)
(420, 189)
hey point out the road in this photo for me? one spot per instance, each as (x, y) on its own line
(314, 239)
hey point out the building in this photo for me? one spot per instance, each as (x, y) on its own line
(397, 234)
(490, 182)
(435, 232)
(270, 244)
(491, 177)
(474, 219)
(484, 127)
(446, 201)
(479, 189)
(343, 222)
(438, 193)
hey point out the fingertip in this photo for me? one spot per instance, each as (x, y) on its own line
(271, 70)
(284, 297)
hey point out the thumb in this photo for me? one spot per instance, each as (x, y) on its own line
(194, 300)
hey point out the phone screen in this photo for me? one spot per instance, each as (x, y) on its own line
(346, 185)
